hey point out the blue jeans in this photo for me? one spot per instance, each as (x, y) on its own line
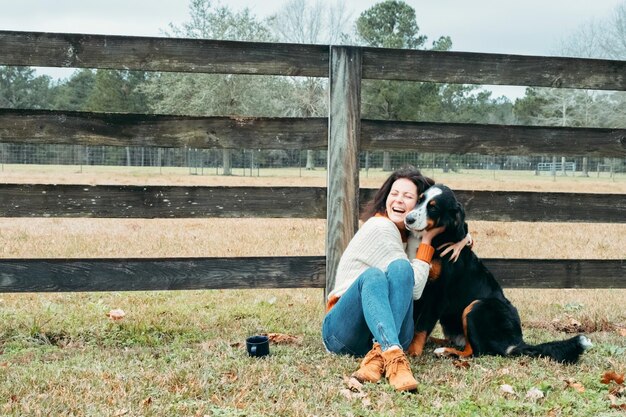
(378, 307)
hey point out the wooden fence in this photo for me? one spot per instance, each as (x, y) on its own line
(343, 133)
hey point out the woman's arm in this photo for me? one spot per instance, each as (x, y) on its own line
(421, 263)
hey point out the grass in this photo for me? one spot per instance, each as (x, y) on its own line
(182, 352)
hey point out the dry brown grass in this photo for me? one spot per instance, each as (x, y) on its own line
(465, 180)
(76, 238)
(60, 237)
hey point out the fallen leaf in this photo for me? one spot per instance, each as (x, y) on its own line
(614, 405)
(354, 391)
(353, 384)
(147, 401)
(116, 314)
(507, 389)
(612, 376)
(534, 394)
(461, 364)
(280, 338)
(618, 390)
(575, 385)
(229, 377)
(236, 345)
(347, 393)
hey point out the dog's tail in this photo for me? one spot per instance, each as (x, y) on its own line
(566, 351)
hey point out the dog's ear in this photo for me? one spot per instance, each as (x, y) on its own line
(460, 227)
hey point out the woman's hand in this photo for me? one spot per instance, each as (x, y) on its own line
(455, 248)
(429, 235)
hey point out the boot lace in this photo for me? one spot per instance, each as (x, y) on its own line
(398, 363)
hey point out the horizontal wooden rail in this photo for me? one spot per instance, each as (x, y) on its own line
(528, 206)
(461, 138)
(229, 57)
(72, 275)
(115, 129)
(73, 50)
(130, 201)
(558, 273)
(493, 69)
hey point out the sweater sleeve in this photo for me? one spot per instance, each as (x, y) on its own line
(421, 268)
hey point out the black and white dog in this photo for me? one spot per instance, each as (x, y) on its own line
(465, 297)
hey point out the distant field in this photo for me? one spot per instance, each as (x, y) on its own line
(465, 179)
(63, 237)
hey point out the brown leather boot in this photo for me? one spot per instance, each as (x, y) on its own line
(372, 366)
(398, 370)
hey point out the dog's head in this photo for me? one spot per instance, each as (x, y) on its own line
(438, 206)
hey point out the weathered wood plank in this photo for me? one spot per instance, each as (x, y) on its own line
(493, 69)
(72, 275)
(72, 50)
(344, 131)
(558, 273)
(460, 138)
(125, 201)
(121, 201)
(512, 206)
(115, 129)
(210, 56)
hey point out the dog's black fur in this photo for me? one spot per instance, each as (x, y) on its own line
(466, 298)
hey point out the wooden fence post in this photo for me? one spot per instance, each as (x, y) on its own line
(344, 132)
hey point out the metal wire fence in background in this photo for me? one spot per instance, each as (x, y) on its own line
(249, 162)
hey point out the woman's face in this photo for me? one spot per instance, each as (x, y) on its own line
(401, 199)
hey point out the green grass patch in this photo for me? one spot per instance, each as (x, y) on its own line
(183, 353)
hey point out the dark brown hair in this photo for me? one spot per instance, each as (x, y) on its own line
(379, 202)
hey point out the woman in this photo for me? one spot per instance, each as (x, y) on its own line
(370, 309)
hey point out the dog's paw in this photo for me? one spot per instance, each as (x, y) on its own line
(585, 343)
(443, 352)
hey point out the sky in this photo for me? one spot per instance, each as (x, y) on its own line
(528, 27)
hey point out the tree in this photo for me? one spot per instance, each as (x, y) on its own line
(73, 93)
(20, 88)
(605, 38)
(393, 24)
(613, 43)
(299, 21)
(215, 94)
(390, 24)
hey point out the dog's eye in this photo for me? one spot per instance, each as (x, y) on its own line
(432, 206)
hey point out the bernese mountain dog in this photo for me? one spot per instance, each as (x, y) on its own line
(466, 298)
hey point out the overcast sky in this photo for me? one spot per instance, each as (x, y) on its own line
(527, 27)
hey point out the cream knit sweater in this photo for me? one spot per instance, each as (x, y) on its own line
(376, 244)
